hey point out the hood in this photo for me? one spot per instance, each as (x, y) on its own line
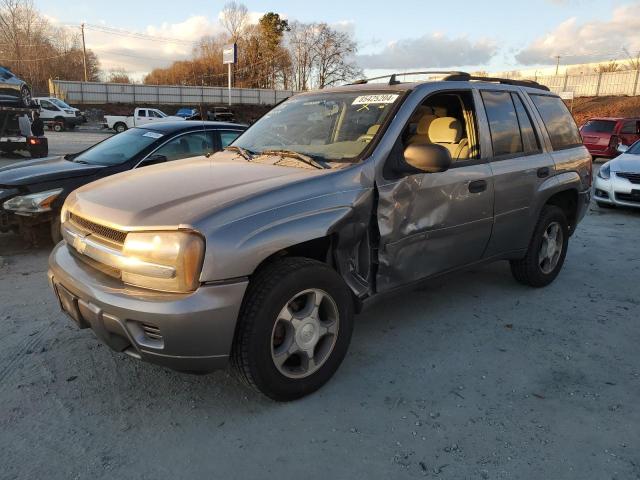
(170, 118)
(179, 193)
(626, 162)
(45, 170)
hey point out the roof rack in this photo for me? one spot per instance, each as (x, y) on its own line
(455, 76)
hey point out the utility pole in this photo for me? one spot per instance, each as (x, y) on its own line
(557, 64)
(84, 54)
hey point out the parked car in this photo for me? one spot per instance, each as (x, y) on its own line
(188, 113)
(141, 116)
(58, 114)
(13, 91)
(221, 114)
(32, 192)
(603, 135)
(262, 255)
(618, 181)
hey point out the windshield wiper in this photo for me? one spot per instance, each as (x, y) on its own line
(244, 153)
(298, 156)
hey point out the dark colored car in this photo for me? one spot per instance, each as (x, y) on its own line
(32, 193)
(188, 113)
(13, 90)
(220, 114)
(602, 136)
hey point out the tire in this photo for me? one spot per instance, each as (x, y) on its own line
(57, 127)
(119, 127)
(56, 236)
(25, 96)
(605, 205)
(530, 270)
(261, 333)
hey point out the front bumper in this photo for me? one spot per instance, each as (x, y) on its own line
(616, 191)
(187, 332)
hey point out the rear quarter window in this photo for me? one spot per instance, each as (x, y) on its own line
(599, 126)
(559, 123)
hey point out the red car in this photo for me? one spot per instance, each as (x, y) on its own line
(602, 135)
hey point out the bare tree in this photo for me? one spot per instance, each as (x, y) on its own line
(334, 51)
(118, 75)
(633, 63)
(612, 66)
(234, 18)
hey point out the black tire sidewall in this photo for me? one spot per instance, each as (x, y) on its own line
(263, 371)
(549, 215)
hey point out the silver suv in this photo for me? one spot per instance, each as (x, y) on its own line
(261, 254)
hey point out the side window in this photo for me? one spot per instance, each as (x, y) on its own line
(47, 105)
(529, 137)
(155, 114)
(447, 119)
(5, 74)
(560, 125)
(503, 123)
(185, 146)
(227, 137)
(630, 128)
(142, 113)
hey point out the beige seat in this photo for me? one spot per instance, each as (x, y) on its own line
(422, 130)
(371, 132)
(448, 131)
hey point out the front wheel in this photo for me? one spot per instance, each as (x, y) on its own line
(294, 328)
(547, 250)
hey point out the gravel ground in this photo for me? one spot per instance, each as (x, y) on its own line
(470, 376)
(61, 143)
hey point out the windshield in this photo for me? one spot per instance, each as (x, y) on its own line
(599, 126)
(59, 103)
(120, 148)
(324, 126)
(634, 149)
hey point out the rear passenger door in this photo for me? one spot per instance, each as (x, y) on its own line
(519, 165)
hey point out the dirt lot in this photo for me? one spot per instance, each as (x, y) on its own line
(472, 376)
(587, 107)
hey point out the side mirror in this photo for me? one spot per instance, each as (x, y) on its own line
(425, 158)
(622, 148)
(153, 160)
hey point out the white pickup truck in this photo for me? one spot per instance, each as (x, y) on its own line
(141, 116)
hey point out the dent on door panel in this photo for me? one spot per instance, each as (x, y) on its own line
(431, 223)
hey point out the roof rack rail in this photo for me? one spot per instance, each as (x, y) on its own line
(455, 76)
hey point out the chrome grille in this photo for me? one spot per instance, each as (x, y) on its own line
(111, 234)
(632, 177)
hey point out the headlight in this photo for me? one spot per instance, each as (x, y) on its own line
(605, 171)
(182, 251)
(33, 203)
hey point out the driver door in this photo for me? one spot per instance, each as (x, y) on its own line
(433, 222)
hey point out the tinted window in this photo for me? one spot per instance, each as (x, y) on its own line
(226, 137)
(185, 146)
(119, 148)
(599, 126)
(559, 122)
(503, 123)
(529, 137)
(630, 128)
(142, 113)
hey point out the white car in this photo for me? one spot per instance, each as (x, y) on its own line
(618, 180)
(141, 116)
(58, 113)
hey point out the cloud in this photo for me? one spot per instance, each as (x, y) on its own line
(586, 42)
(430, 51)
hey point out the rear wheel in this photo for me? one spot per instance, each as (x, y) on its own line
(119, 127)
(547, 250)
(294, 328)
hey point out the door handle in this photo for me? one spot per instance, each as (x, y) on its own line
(543, 172)
(477, 186)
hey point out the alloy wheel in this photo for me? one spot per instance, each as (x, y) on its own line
(550, 248)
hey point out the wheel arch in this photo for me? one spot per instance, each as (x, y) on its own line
(562, 191)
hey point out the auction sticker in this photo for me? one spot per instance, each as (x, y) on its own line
(382, 98)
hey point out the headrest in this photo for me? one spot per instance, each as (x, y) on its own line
(373, 129)
(445, 130)
(424, 123)
(440, 111)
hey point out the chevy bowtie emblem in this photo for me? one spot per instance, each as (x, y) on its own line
(79, 244)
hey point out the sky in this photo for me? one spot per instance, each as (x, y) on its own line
(492, 35)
